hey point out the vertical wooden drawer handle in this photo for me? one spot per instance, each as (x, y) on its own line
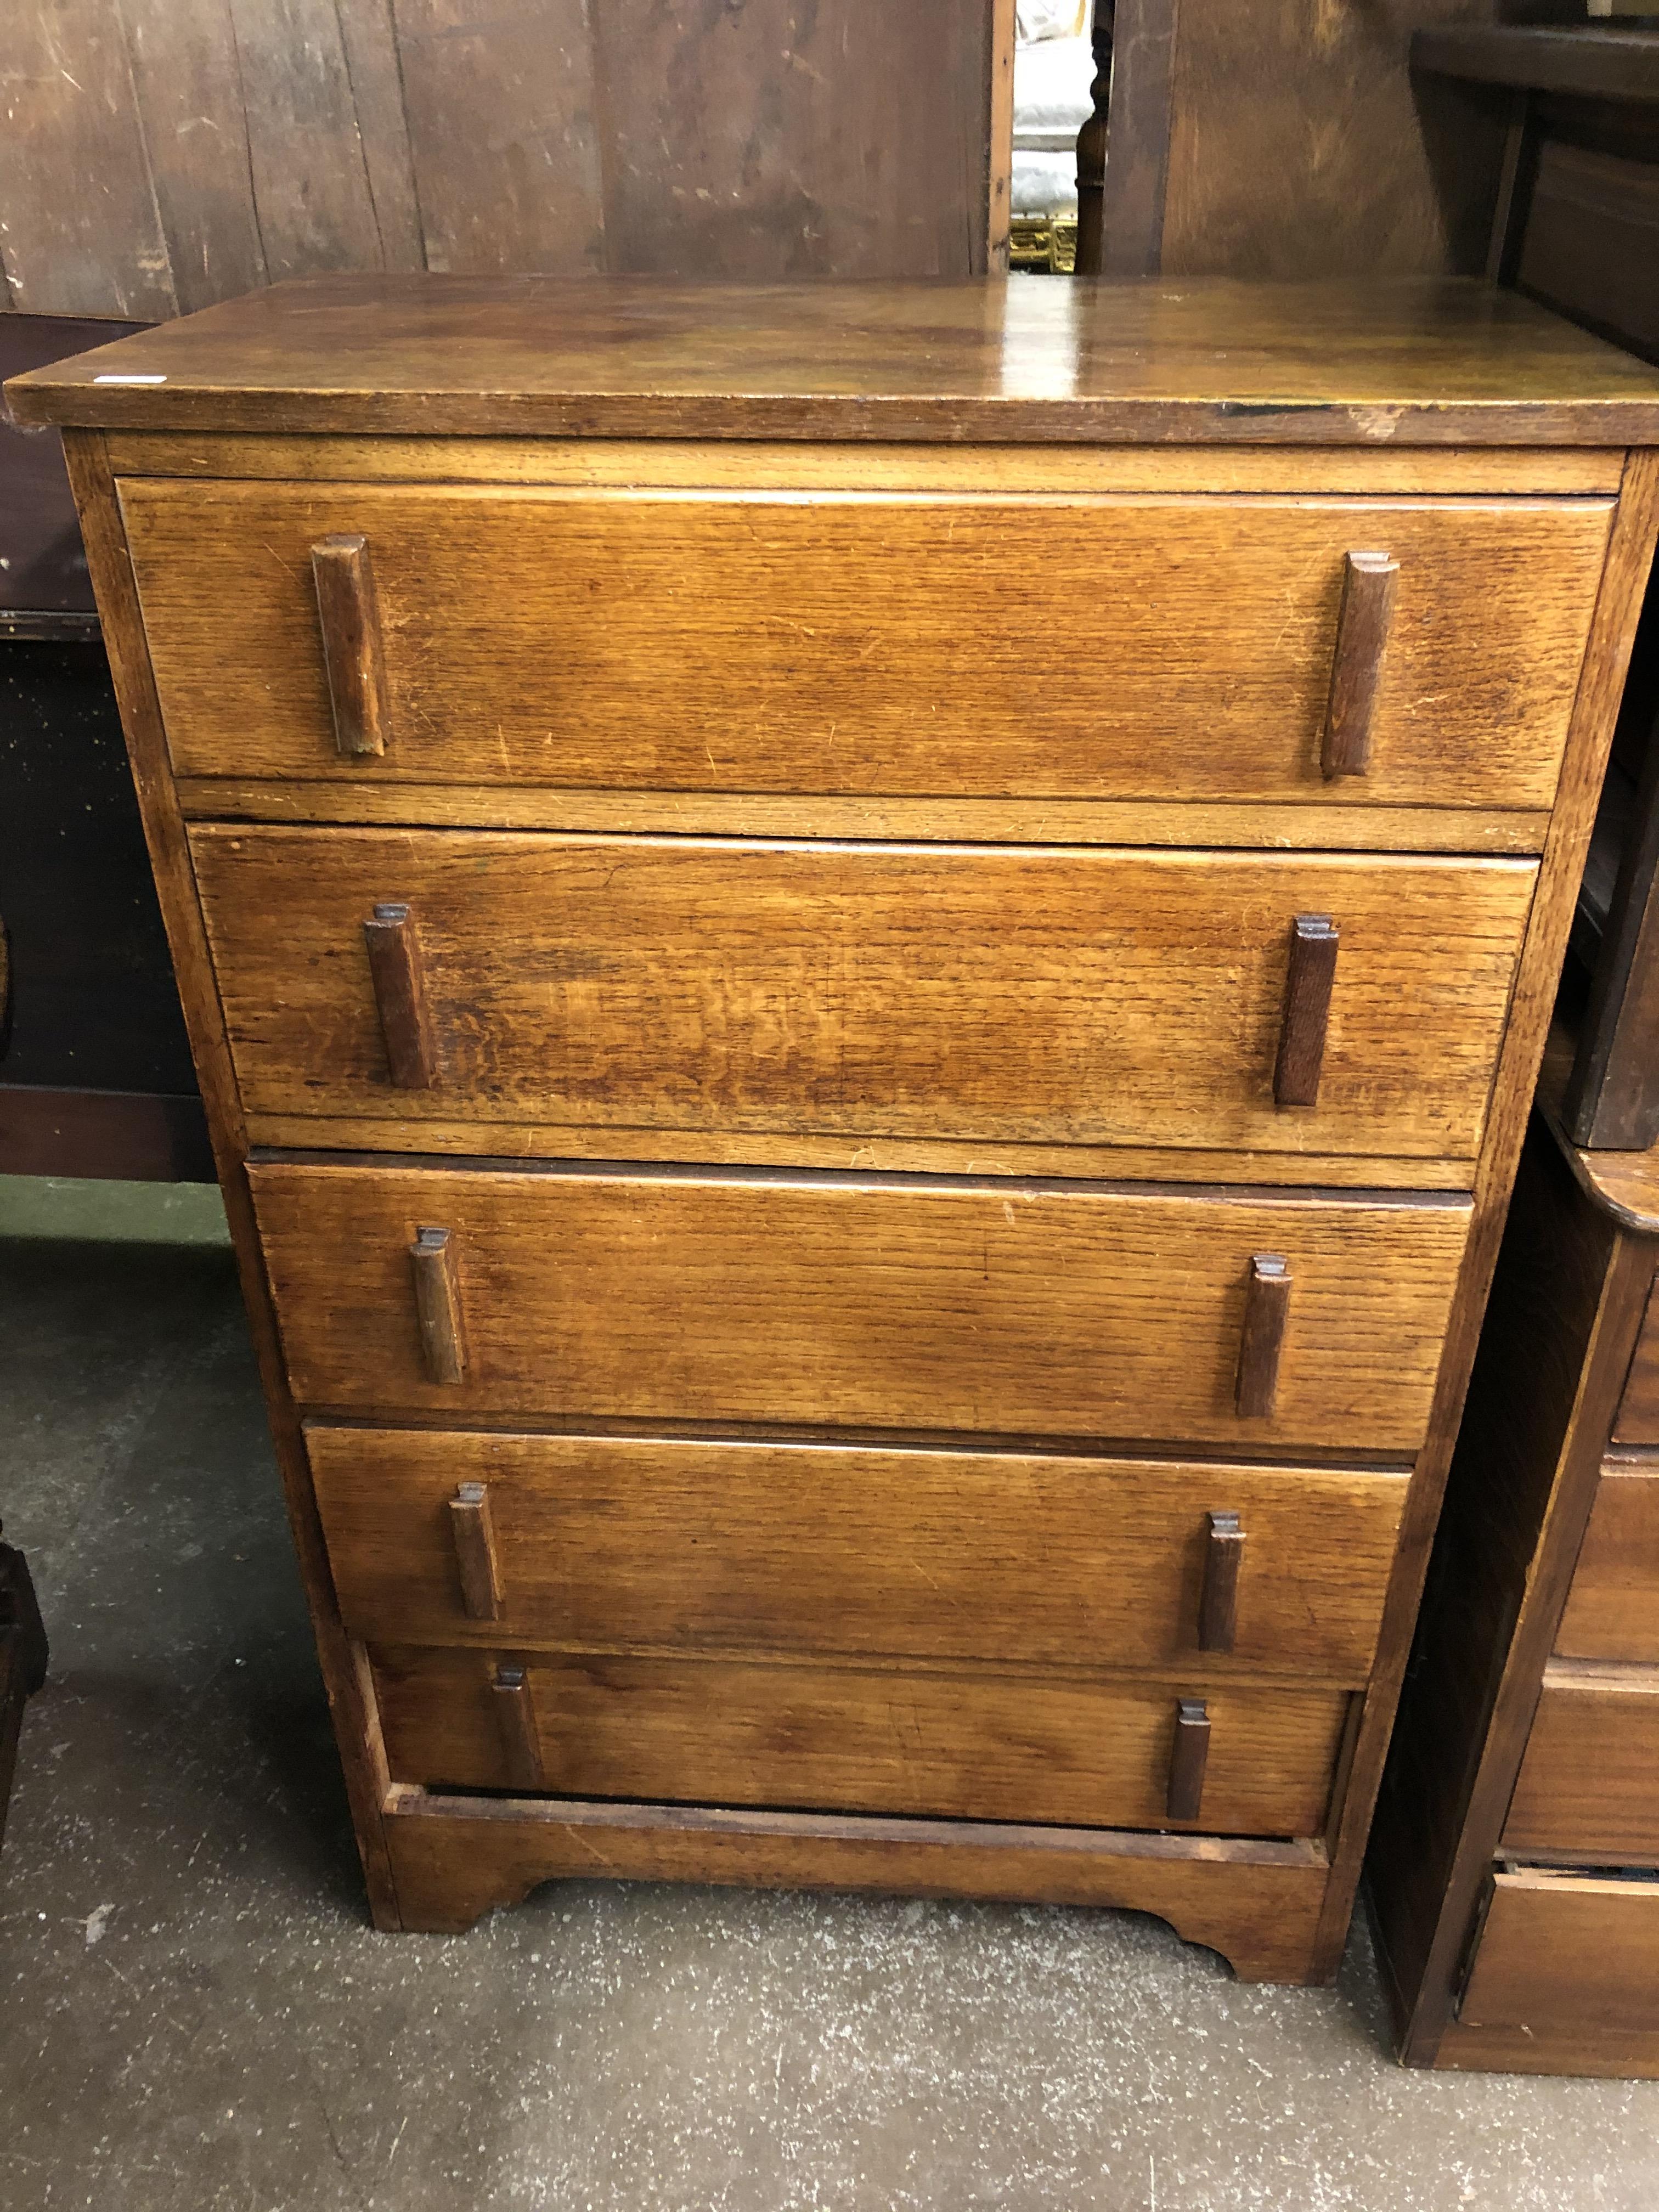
(521, 1746)
(473, 1529)
(1218, 1603)
(1188, 1757)
(1267, 1309)
(438, 1304)
(349, 614)
(398, 975)
(1362, 637)
(1312, 972)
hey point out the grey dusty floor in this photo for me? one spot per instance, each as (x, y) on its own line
(193, 2014)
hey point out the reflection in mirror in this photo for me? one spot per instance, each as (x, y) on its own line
(1054, 66)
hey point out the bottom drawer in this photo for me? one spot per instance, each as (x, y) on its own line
(958, 1744)
(1562, 1953)
(1589, 1786)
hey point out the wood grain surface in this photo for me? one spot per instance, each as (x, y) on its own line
(457, 1857)
(1638, 1421)
(966, 1745)
(1430, 362)
(873, 990)
(865, 643)
(1002, 1308)
(1613, 1608)
(756, 465)
(179, 152)
(1568, 1959)
(1293, 827)
(1589, 1783)
(634, 1544)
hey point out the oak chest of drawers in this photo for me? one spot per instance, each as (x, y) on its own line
(867, 963)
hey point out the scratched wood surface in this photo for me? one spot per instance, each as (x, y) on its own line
(855, 642)
(161, 154)
(964, 1744)
(866, 989)
(992, 1308)
(647, 1543)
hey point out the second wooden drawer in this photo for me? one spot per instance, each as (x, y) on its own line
(1009, 994)
(1009, 1307)
(606, 1542)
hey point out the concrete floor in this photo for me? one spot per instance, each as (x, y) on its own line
(193, 2014)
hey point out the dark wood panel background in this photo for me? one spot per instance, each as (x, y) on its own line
(160, 154)
(1287, 139)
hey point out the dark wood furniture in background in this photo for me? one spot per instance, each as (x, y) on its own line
(1514, 1866)
(95, 1075)
(1263, 138)
(22, 1661)
(1514, 1869)
(1576, 225)
(695, 1321)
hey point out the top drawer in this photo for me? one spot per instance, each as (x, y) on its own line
(870, 643)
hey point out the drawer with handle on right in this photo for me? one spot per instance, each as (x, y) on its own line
(1302, 650)
(892, 1302)
(966, 1743)
(670, 1544)
(1275, 1003)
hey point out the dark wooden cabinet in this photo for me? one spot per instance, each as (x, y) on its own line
(95, 1075)
(1514, 1867)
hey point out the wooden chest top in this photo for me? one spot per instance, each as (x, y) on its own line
(1435, 363)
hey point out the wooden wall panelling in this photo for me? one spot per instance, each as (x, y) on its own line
(163, 154)
(373, 59)
(315, 208)
(80, 233)
(187, 80)
(776, 140)
(503, 132)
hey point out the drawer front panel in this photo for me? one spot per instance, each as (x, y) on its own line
(1638, 1422)
(1590, 1782)
(757, 641)
(1004, 1308)
(1560, 1953)
(1092, 997)
(638, 1544)
(958, 1744)
(1613, 1608)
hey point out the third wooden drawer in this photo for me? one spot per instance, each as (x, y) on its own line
(1089, 997)
(1021, 1309)
(665, 1544)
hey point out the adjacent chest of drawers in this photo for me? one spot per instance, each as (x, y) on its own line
(866, 965)
(1515, 1867)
